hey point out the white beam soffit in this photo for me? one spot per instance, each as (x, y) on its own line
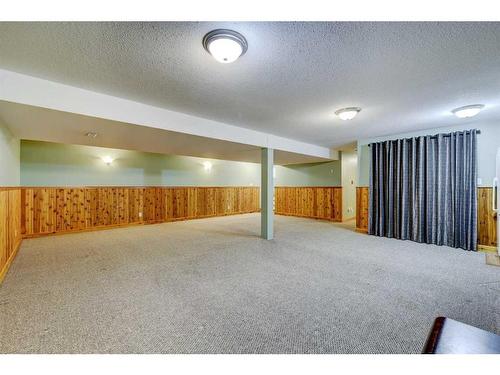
(24, 89)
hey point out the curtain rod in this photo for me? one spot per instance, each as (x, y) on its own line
(478, 131)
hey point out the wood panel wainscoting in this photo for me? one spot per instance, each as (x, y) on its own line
(486, 217)
(315, 202)
(486, 220)
(60, 210)
(10, 227)
(362, 209)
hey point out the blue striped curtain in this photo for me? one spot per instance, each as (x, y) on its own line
(424, 189)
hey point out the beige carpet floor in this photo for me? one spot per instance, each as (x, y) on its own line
(213, 286)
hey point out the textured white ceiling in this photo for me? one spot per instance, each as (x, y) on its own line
(405, 76)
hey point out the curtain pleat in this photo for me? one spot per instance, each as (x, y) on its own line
(424, 189)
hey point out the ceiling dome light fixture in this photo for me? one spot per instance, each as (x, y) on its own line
(225, 45)
(348, 113)
(468, 110)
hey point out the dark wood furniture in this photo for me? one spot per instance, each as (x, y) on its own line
(448, 336)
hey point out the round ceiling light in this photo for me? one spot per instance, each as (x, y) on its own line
(225, 45)
(468, 110)
(347, 113)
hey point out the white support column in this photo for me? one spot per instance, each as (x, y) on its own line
(266, 194)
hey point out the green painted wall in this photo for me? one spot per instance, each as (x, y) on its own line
(54, 164)
(313, 174)
(363, 165)
(487, 144)
(9, 158)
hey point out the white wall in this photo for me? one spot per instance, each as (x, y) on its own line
(487, 144)
(349, 169)
(9, 158)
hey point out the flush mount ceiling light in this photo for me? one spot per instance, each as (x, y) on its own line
(468, 110)
(347, 113)
(225, 45)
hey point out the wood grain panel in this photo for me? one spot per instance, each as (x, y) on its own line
(323, 203)
(337, 204)
(149, 211)
(160, 205)
(91, 208)
(61, 210)
(39, 210)
(205, 202)
(120, 206)
(315, 202)
(486, 218)
(136, 204)
(179, 203)
(4, 229)
(305, 197)
(14, 221)
(191, 203)
(362, 209)
(10, 227)
(221, 199)
(70, 209)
